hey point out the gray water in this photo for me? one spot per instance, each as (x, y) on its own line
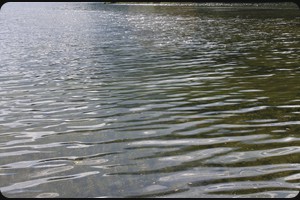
(149, 100)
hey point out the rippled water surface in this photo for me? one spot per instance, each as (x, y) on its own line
(155, 100)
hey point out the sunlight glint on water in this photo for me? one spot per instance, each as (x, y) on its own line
(168, 100)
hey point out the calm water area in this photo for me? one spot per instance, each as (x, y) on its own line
(149, 100)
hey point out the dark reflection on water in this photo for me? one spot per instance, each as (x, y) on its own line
(101, 100)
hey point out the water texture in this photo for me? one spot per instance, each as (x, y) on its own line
(149, 100)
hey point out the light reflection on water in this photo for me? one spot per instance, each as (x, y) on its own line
(110, 100)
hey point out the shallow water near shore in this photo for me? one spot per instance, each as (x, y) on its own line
(149, 100)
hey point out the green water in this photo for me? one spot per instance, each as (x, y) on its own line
(149, 100)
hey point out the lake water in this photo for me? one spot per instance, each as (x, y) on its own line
(149, 100)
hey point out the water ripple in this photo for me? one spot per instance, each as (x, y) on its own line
(149, 100)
